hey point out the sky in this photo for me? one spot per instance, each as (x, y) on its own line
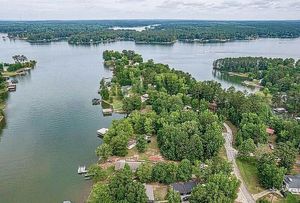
(150, 9)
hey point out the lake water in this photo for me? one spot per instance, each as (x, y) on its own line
(51, 124)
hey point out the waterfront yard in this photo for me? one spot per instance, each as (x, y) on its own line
(151, 153)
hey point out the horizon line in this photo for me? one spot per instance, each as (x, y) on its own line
(147, 19)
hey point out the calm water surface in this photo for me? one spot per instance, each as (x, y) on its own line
(51, 124)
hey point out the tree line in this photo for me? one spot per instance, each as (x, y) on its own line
(280, 77)
(166, 32)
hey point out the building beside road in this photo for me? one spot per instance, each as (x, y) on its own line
(292, 183)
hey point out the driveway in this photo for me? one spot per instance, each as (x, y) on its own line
(243, 195)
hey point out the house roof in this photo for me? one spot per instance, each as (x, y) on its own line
(155, 158)
(102, 131)
(270, 131)
(292, 181)
(184, 188)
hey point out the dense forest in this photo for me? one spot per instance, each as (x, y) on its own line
(186, 116)
(280, 77)
(164, 31)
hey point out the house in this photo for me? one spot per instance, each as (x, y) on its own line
(107, 81)
(144, 97)
(155, 158)
(270, 131)
(149, 193)
(280, 110)
(292, 183)
(125, 89)
(184, 188)
(131, 144)
(133, 165)
(187, 108)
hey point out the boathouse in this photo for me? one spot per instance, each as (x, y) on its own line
(102, 131)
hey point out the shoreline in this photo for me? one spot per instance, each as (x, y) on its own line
(189, 41)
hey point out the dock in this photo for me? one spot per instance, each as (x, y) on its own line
(22, 73)
(107, 111)
(12, 88)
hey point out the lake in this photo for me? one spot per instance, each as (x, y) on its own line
(51, 124)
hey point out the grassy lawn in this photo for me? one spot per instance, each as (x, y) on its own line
(222, 153)
(290, 198)
(160, 192)
(2, 105)
(117, 104)
(10, 74)
(152, 149)
(242, 75)
(249, 174)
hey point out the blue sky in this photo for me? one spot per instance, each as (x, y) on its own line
(150, 9)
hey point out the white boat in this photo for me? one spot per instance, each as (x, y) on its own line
(82, 170)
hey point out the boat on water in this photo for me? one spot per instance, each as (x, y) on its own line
(14, 81)
(82, 170)
(96, 101)
(87, 175)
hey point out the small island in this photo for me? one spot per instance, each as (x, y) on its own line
(18, 68)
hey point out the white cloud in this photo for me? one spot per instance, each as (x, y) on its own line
(150, 9)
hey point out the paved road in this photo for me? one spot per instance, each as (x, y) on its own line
(244, 195)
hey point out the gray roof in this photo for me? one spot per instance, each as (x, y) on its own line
(184, 188)
(292, 181)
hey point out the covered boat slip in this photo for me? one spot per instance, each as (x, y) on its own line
(101, 132)
(82, 170)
